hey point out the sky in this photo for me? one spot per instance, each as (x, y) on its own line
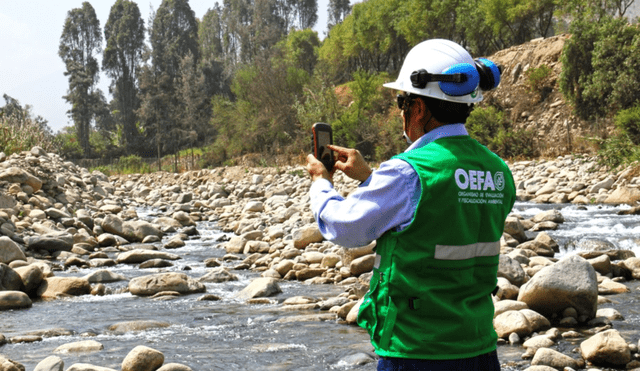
(31, 70)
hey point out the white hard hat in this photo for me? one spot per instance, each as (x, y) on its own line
(444, 70)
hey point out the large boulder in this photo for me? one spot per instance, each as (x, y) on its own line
(10, 251)
(140, 255)
(624, 195)
(51, 363)
(10, 280)
(607, 348)
(304, 236)
(53, 287)
(511, 270)
(51, 242)
(555, 359)
(172, 281)
(14, 300)
(31, 276)
(143, 358)
(260, 287)
(512, 321)
(85, 346)
(570, 283)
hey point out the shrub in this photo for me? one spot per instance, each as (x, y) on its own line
(628, 121)
(536, 80)
(19, 133)
(489, 126)
(132, 165)
(617, 150)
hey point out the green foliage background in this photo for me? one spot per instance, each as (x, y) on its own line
(253, 77)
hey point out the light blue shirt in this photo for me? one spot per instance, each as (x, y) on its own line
(387, 200)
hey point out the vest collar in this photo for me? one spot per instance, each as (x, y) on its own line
(437, 133)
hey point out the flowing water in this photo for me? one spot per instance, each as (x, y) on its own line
(231, 335)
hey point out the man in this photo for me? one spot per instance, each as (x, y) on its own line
(437, 212)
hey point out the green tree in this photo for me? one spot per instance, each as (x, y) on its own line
(173, 35)
(338, 10)
(122, 57)
(80, 42)
(600, 68)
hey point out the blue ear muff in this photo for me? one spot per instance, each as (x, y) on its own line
(469, 82)
(489, 73)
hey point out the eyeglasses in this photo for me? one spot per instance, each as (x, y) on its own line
(404, 101)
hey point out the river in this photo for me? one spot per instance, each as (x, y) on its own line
(231, 335)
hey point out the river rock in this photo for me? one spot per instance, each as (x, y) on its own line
(512, 322)
(107, 239)
(610, 313)
(10, 251)
(87, 367)
(14, 300)
(103, 276)
(571, 282)
(623, 195)
(51, 363)
(153, 284)
(133, 231)
(31, 276)
(362, 264)
(538, 321)
(51, 242)
(142, 358)
(10, 280)
(218, 275)
(131, 326)
(507, 290)
(85, 346)
(606, 348)
(260, 287)
(52, 287)
(507, 305)
(140, 255)
(511, 270)
(17, 175)
(235, 245)
(553, 358)
(304, 236)
(537, 342)
(174, 367)
(514, 228)
(633, 265)
(155, 263)
(10, 365)
(548, 216)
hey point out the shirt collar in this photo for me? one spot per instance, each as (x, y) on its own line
(437, 133)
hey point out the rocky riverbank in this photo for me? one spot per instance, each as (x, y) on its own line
(56, 217)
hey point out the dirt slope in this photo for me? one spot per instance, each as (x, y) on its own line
(558, 131)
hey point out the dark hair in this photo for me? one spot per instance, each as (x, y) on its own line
(447, 112)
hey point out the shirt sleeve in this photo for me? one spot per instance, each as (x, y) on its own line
(385, 201)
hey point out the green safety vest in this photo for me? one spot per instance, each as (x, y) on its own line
(429, 295)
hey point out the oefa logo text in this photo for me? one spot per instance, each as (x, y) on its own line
(477, 180)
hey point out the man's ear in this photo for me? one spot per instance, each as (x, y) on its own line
(419, 109)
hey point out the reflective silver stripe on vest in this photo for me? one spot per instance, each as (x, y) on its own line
(445, 252)
(376, 264)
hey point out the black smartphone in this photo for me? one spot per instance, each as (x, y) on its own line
(323, 136)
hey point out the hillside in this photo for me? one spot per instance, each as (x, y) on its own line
(558, 130)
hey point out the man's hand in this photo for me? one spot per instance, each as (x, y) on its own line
(351, 162)
(317, 170)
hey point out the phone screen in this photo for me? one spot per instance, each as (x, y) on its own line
(324, 138)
